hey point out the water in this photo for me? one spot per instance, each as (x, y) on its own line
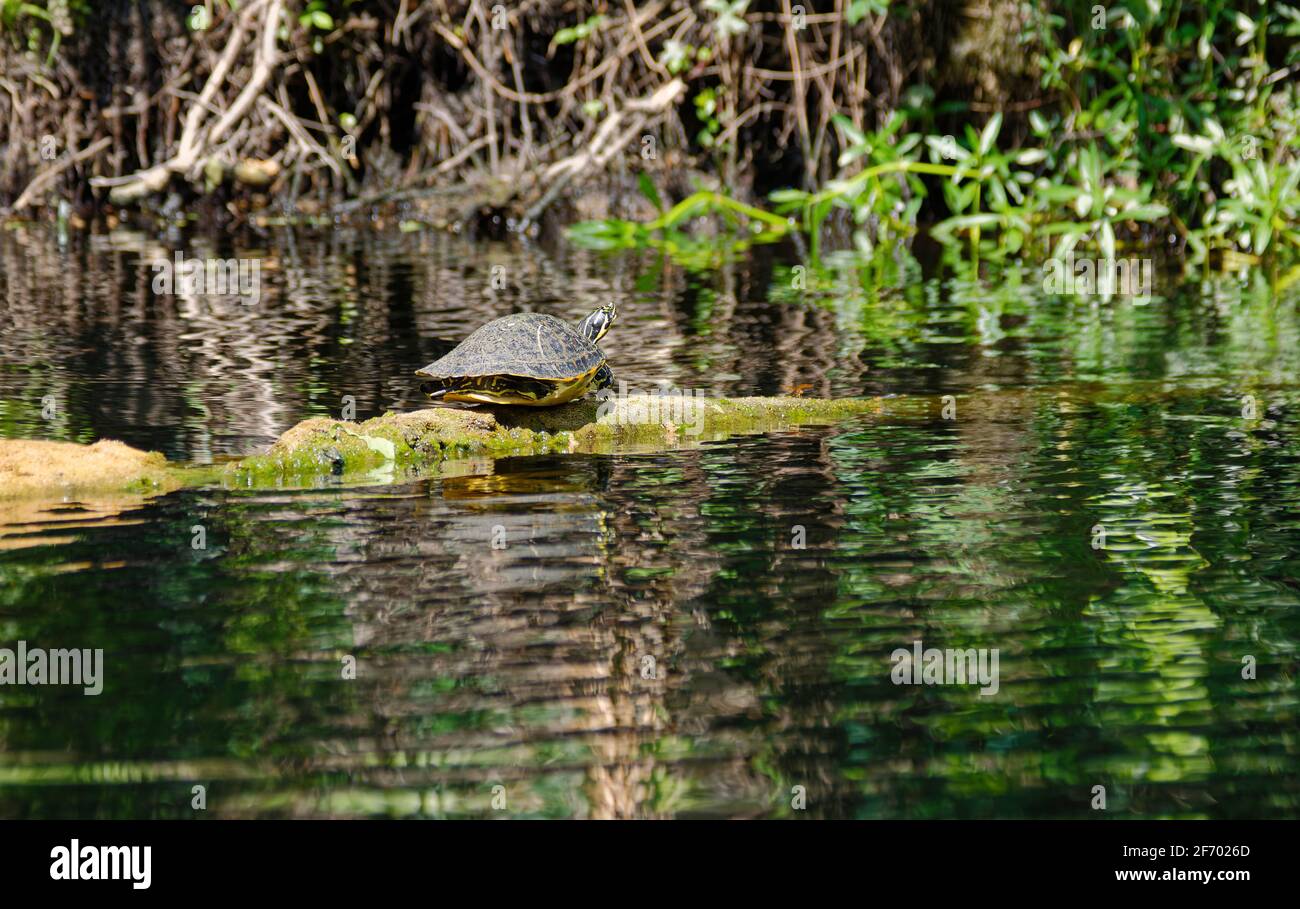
(529, 667)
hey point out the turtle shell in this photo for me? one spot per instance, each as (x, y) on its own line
(529, 344)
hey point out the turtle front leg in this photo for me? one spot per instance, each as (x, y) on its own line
(604, 378)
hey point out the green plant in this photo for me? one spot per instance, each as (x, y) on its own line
(318, 21)
(730, 15)
(1261, 201)
(1141, 85)
(1153, 120)
(706, 110)
(316, 16)
(677, 56)
(886, 192)
(1089, 206)
(60, 17)
(579, 32)
(747, 225)
(994, 194)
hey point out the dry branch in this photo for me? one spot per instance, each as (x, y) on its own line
(487, 109)
(605, 145)
(194, 142)
(45, 177)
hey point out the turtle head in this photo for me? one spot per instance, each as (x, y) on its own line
(593, 327)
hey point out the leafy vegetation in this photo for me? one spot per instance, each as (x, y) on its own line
(1118, 126)
(43, 23)
(1153, 123)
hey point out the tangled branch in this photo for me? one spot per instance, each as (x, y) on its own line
(412, 93)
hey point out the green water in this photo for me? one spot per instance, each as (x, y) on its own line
(1171, 426)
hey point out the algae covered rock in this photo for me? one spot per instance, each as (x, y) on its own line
(29, 468)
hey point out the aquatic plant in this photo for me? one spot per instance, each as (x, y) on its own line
(1106, 155)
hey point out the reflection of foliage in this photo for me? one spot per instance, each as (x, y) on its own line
(1119, 664)
(199, 661)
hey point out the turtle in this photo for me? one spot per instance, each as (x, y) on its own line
(528, 358)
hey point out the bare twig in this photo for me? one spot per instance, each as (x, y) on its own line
(192, 143)
(296, 129)
(604, 146)
(46, 176)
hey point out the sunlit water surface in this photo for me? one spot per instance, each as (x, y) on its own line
(652, 641)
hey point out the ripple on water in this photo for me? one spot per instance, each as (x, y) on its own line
(692, 633)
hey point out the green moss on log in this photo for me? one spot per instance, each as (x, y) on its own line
(315, 450)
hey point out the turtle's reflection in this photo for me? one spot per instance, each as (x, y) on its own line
(549, 627)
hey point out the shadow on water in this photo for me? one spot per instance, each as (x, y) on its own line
(705, 632)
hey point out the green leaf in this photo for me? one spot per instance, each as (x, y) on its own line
(1150, 212)
(1057, 193)
(1107, 241)
(647, 187)
(963, 222)
(1263, 234)
(787, 196)
(855, 135)
(990, 133)
(611, 234)
(1065, 245)
(1198, 144)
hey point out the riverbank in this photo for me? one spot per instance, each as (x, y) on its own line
(1008, 127)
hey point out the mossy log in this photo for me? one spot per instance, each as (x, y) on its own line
(423, 438)
(319, 448)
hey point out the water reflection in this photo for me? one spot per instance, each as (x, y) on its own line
(644, 636)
